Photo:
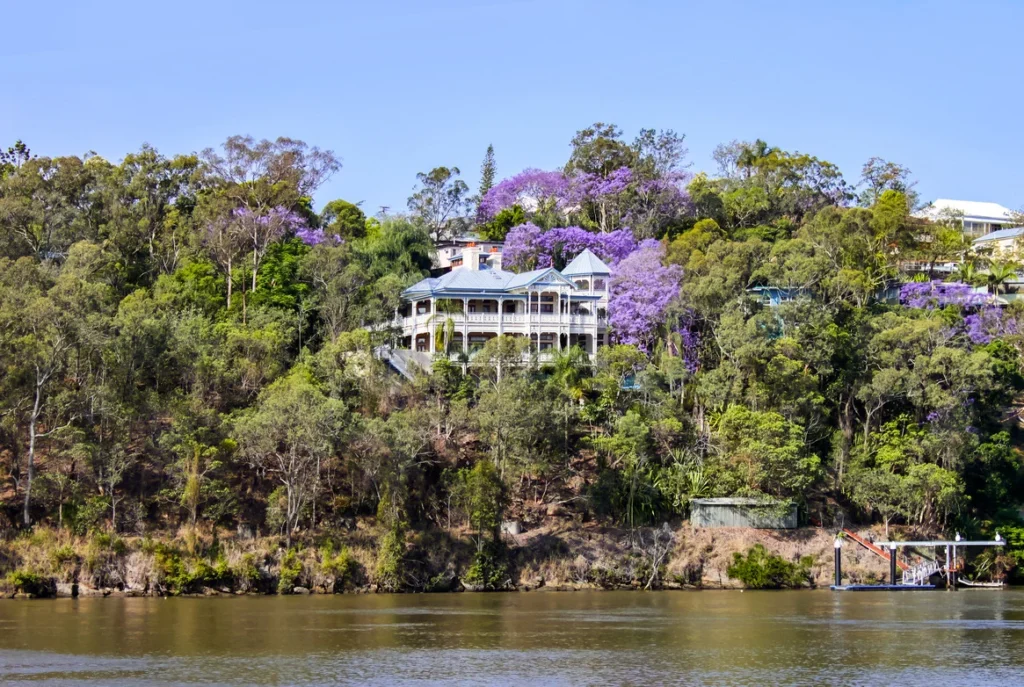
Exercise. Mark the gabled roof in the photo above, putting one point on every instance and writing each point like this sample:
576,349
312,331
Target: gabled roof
586,263
548,275
464,280
1010,233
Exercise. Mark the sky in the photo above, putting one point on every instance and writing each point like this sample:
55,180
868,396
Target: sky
399,87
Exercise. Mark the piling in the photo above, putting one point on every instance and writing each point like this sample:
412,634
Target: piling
837,545
892,564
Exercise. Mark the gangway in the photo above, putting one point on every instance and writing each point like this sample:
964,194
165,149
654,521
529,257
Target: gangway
873,548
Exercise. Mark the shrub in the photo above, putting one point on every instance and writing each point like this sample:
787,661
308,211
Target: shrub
390,568
291,569
760,569
247,573
340,566
488,569
28,582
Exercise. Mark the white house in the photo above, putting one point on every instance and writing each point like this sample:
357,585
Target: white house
979,218
450,251
1001,242
479,301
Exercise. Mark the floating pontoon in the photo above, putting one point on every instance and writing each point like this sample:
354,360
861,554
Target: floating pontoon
919,577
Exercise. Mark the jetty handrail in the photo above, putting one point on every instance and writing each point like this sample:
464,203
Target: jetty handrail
874,548
992,542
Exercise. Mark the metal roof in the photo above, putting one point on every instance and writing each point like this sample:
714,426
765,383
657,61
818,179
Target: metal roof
739,501
586,263
466,280
1010,233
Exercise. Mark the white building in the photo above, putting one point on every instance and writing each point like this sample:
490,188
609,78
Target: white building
450,251
478,300
979,218
1003,242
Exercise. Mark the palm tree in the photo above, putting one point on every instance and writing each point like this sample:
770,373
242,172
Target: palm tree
569,369
966,273
752,153
1000,274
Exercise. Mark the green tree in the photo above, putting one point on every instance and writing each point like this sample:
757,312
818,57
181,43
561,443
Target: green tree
438,201
344,219
288,435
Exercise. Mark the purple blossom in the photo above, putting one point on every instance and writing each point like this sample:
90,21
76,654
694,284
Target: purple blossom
641,290
690,340
314,237
530,247
534,184
939,294
989,323
585,186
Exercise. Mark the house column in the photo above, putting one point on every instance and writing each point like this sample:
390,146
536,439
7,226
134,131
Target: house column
430,325
465,326
529,314
568,317
501,316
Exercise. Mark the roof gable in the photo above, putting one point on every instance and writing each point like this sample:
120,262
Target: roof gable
547,276
586,263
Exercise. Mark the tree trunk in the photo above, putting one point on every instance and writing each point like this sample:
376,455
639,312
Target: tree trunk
31,471
255,267
229,283
846,427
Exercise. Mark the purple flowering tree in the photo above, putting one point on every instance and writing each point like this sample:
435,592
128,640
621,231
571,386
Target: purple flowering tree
600,197
530,247
657,201
263,228
939,294
529,185
640,292
314,237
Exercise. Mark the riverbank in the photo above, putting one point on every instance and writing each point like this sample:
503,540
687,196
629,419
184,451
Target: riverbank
556,555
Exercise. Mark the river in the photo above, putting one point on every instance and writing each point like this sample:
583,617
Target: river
538,638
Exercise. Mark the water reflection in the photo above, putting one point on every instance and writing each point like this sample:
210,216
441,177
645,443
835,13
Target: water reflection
509,639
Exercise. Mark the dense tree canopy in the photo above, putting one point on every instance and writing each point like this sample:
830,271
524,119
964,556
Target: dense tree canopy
186,340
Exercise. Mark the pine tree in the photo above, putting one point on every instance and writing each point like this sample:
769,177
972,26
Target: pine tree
487,171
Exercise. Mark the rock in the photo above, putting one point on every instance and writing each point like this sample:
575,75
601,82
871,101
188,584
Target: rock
92,591
512,527
555,510
300,590
67,590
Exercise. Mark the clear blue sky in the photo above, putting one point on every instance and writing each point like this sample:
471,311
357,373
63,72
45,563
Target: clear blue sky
396,87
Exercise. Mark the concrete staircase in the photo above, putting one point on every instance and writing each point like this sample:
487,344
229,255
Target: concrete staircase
405,363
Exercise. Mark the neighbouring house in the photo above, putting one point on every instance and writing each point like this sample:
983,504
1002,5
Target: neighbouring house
477,300
743,512
450,253
979,218
774,296
1000,242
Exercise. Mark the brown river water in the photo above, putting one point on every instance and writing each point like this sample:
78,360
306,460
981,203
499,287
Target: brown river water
537,638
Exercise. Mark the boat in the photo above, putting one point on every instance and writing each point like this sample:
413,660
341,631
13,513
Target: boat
971,584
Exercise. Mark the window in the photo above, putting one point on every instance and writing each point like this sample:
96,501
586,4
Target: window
599,285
